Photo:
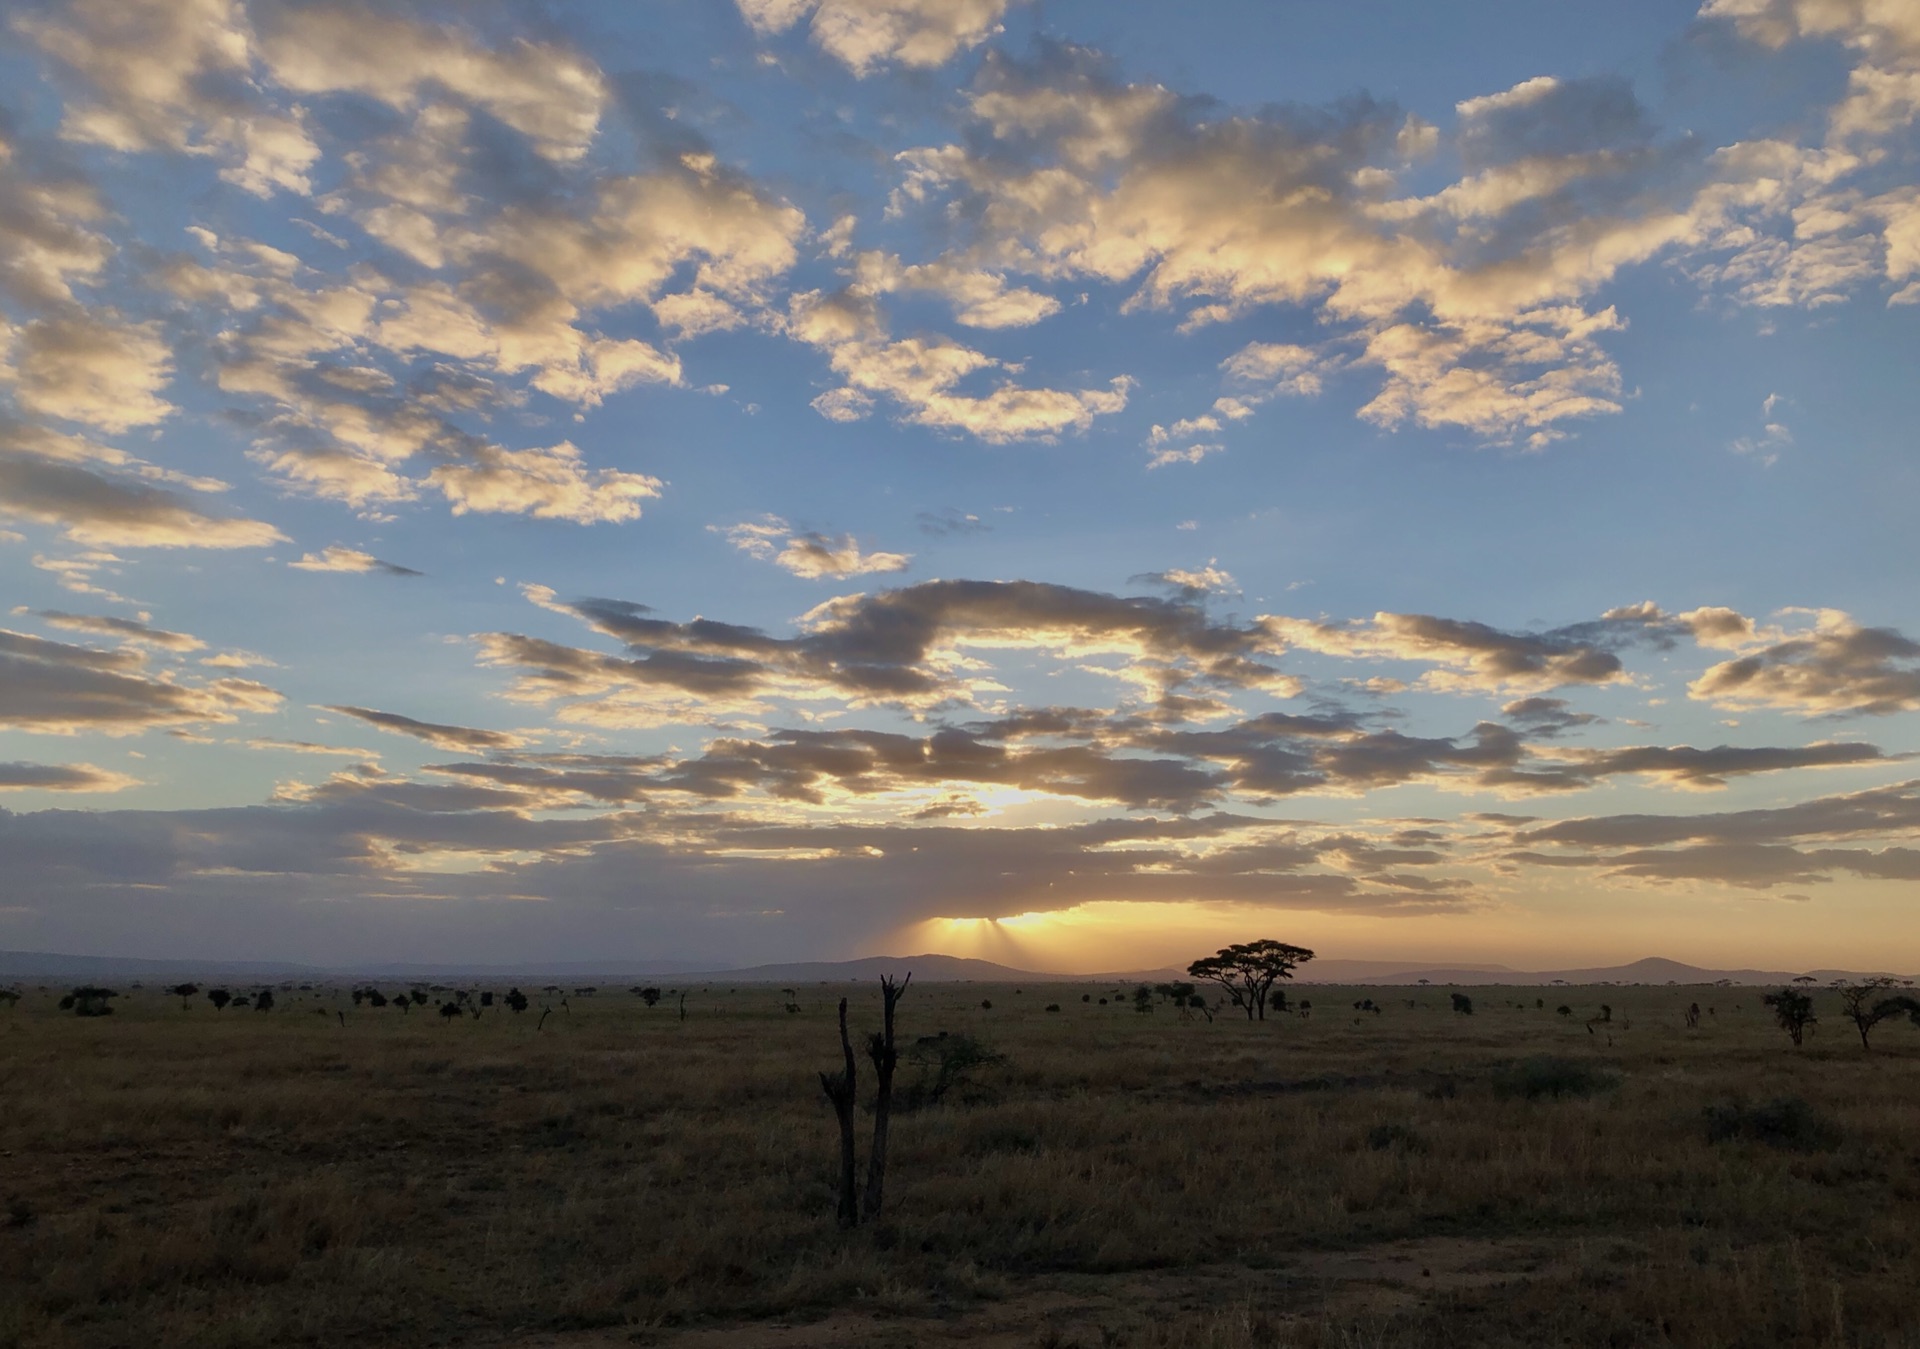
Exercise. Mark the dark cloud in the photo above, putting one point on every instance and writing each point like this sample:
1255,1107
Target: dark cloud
49,480
1838,668
1547,118
78,777
54,687
1546,716
878,647
439,736
1755,849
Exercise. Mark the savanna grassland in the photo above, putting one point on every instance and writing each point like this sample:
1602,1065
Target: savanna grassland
1412,1176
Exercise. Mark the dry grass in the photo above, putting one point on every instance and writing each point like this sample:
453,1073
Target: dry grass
173,1177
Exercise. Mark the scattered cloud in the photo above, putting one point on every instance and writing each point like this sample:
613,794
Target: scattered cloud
864,35
549,484
127,629
807,553
335,557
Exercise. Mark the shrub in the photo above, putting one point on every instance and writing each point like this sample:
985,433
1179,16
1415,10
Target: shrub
1787,1122
1463,1004
1547,1075
1053,1007
89,1001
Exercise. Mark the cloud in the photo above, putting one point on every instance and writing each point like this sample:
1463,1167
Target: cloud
1192,582
926,376
980,299
78,777
943,523
48,242
65,481
551,96
1748,849
1476,303
866,34
334,557
155,74
440,737
1679,765
1546,716
89,367
58,689
125,628
1835,668
549,484
907,646
1474,657
807,553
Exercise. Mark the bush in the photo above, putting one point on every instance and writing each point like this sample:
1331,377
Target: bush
1547,1075
1787,1122
89,1001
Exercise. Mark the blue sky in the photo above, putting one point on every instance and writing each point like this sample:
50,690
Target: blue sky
1071,481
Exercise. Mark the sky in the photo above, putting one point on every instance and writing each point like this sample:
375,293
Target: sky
1070,482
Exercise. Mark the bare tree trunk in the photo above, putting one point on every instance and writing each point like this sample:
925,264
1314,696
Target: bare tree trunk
840,1091
885,1059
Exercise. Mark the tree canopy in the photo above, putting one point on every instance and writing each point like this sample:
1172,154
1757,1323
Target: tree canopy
1249,970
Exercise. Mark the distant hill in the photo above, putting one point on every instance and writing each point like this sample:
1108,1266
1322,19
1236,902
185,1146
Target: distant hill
926,968
1653,970
929,969
51,965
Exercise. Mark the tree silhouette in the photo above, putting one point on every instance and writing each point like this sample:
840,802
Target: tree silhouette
1249,970
880,1049
1863,1006
263,1001
1793,1009
839,1088
219,997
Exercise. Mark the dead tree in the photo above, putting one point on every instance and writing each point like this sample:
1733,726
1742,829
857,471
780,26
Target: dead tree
840,1089
880,1049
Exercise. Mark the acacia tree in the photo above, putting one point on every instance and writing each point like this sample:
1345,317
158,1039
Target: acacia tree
1249,970
1793,1009
1863,1006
